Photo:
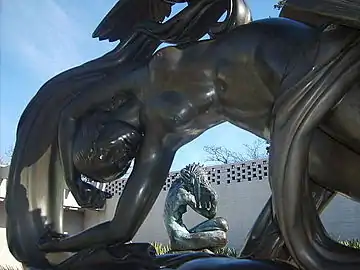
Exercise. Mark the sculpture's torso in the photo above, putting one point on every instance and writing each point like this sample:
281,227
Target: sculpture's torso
229,80
236,81
176,203
233,80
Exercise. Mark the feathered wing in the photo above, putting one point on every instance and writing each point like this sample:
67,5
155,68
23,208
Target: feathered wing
320,12
120,22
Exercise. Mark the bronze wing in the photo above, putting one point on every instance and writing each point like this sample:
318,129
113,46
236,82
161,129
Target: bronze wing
120,22
320,12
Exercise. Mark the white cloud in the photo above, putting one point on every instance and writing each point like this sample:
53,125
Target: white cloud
42,35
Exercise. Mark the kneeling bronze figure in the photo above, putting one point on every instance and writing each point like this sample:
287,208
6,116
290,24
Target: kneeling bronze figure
192,189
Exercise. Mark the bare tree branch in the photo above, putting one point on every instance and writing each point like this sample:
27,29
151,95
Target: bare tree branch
2,160
256,150
222,155
6,158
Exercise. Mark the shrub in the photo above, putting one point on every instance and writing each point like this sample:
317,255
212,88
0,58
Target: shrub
161,248
228,251
164,249
355,243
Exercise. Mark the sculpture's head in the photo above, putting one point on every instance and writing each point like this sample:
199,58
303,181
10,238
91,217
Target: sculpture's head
106,154
195,182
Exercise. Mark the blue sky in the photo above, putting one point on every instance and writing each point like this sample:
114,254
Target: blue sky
39,39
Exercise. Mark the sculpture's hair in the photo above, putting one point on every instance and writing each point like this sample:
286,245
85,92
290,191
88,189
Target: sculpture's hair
194,175
195,170
97,156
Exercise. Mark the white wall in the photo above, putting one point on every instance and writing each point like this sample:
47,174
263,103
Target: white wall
342,219
5,256
240,202
73,223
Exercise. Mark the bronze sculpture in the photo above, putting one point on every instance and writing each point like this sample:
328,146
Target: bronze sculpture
191,188
267,77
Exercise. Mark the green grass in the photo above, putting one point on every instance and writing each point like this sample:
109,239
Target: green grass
161,248
232,252
165,248
355,243
228,251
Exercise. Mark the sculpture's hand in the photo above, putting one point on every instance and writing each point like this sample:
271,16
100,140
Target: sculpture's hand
208,204
88,196
50,238
205,203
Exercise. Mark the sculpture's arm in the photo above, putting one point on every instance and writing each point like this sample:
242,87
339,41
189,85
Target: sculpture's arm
141,191
213,206
204,208
208,203
66,133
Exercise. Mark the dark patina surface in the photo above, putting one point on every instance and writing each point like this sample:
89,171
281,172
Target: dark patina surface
293,84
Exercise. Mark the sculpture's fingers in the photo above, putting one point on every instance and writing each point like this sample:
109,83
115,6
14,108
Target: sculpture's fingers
49,246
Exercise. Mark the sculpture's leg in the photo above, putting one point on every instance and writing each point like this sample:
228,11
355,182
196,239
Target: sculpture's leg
264,240
205,235
296,119
199,240
214,224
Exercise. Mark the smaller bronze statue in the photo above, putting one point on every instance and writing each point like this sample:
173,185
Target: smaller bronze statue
192,189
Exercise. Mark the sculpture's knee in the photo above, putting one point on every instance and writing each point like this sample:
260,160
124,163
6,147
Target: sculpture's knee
221,223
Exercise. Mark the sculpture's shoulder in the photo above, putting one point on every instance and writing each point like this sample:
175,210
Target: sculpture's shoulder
176,188
178,192
281,27
273,38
